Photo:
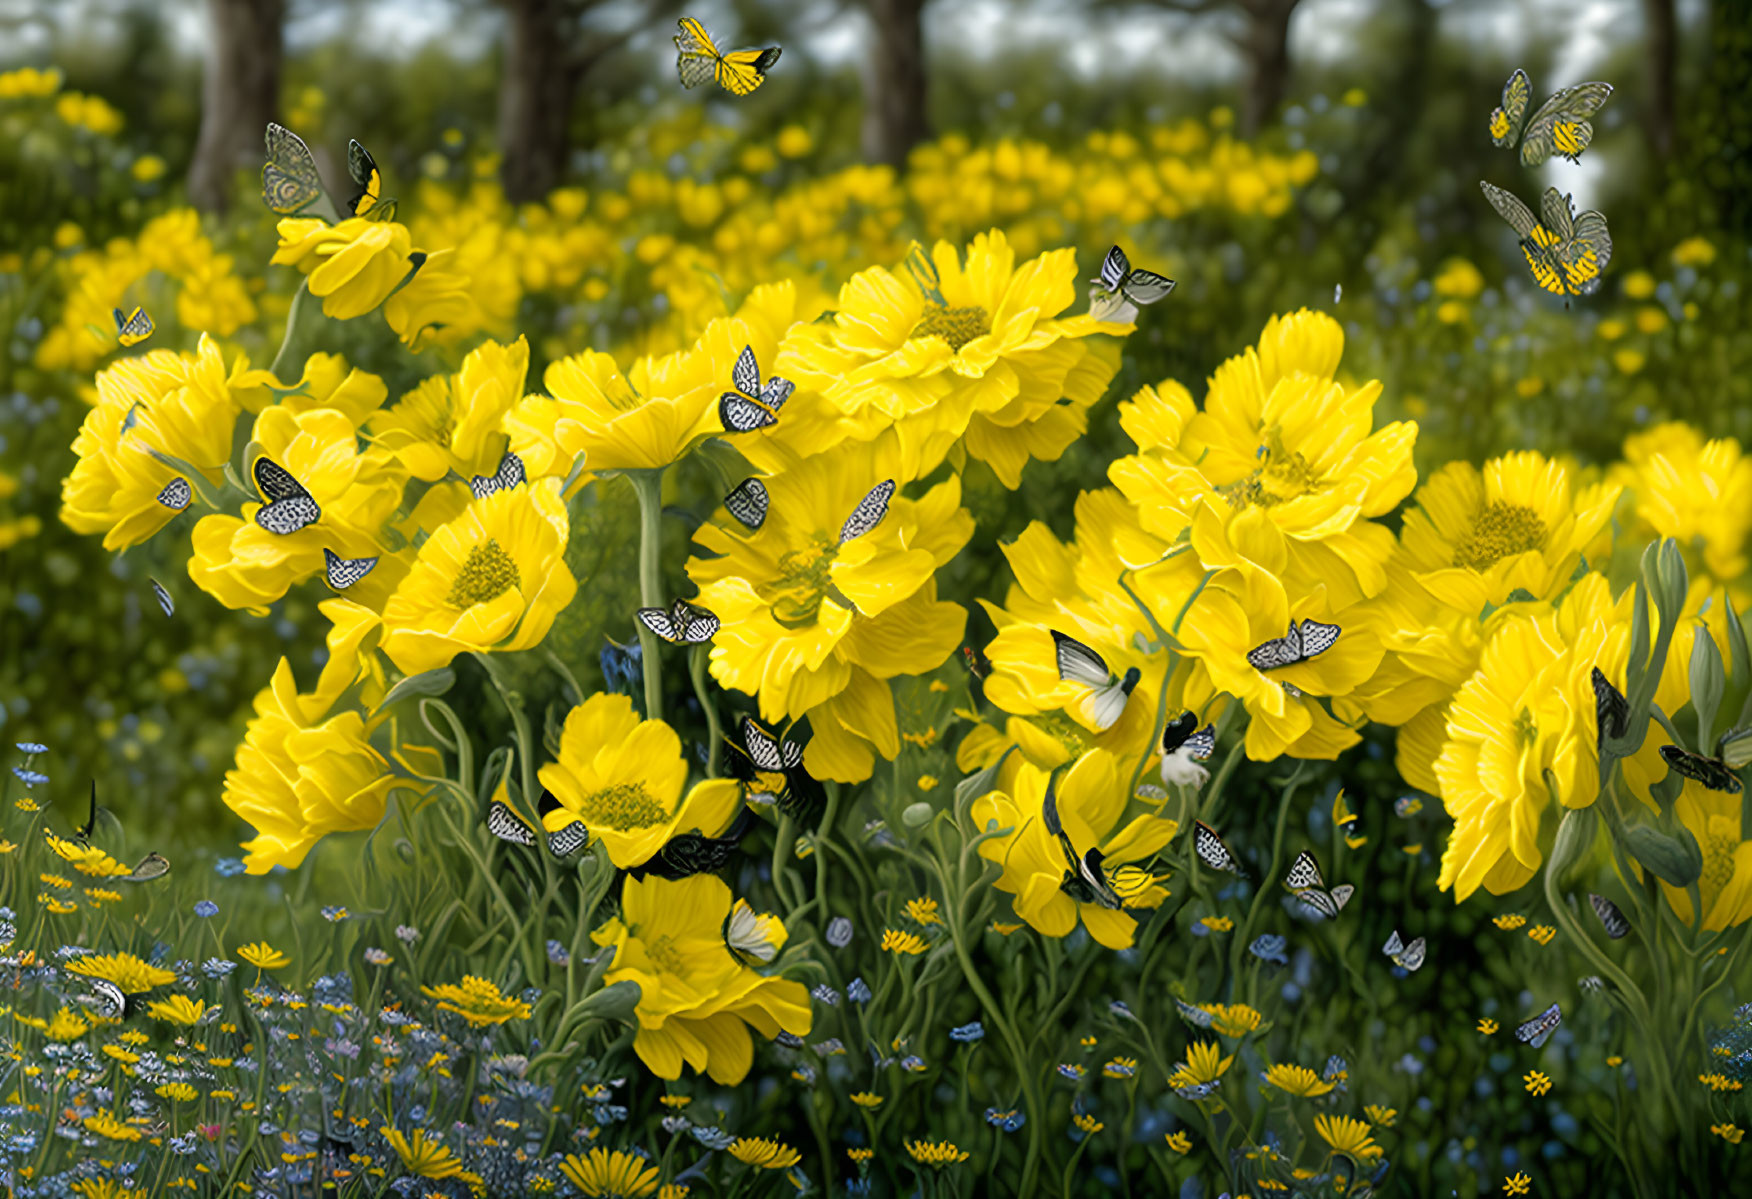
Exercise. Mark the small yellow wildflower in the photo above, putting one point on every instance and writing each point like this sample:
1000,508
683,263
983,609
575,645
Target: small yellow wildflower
1384,1116
1731,1133
895,941
263,956
1297,1080
1719,1082
1615,1061
1236,1020
764,1154
867,1099
1536,1083
1487,1026
1510,922
178,1092
1542,933
1121,1067
1180,1142
478,1001
1517,1184
935,1153
178,1009
860,1155
1217,924
106,1125
927,782
923,910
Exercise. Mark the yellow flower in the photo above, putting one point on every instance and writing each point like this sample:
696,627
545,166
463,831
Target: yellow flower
130,974
478,1001
178,1009
1217,924
442,298
1650,319
696,1001
1614,1061
1235,1020
1694,251
1629,361
1509,922
626,779
1180,1143
1091,802
1536,1083
866,1099
179,1092
106,1125
1347,1136
1542,933
673,1190
1639,285
1720,1082
64,1025
764,1154
1730,1132
815,627
1384,1116
1452,312
1204,1063
427,1158
1459,278
1297,1080
87,859
923,910
492,579
352,267
860,1154
1087,1124
1517,1184
602,1172
263,956
451,422
1698,492
898,942
936,1154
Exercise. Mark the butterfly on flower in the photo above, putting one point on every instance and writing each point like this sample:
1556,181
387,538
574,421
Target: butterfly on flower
1307,884
287,506
1120,289
1538,1030
869,513
341,573
772,767
693,852
752,405
1304,640
176,494
1565,252
367,198
697,59
1560,125
1610,917
510,474
108,1000
752,937
1192,1014
1713,773
163,597
1407,957
1084,881
133,328
1184,746
507,823
1077,663
290,181
1212,850
748,502
680,624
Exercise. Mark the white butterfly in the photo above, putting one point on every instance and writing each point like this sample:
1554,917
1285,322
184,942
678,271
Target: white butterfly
1407,957
510,474
748,502
1085,881
1308,885
1184,746
1211,849
163,596
1304,640
752,406
342,573
1117,292
1077,663
176,494
288,507
869,512
681,624
752,936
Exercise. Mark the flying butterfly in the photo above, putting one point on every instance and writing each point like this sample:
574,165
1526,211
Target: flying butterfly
1610,917
752,937
1077,663
367,200
1407,957
1560,126
341,573
1085,881
681,624
1538,1030
510,474
1711,772
163,597
176,494
748,502
869,513
1184,746
288,507
133,328
1307,884
1212,851
1611,709
1120,289
1304,640
290,182
752,405
697,59
693,852
763,754
1565,252
153,865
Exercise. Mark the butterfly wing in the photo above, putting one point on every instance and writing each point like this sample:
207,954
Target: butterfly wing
1304,872
739,415
1585,254
691,38
660,622
765,60
1202,744
1507,121
341,573
176,494
112,1002
738,73
134,328
1077,663
1711,773
1318,901
1341,895
776,392
289,507
290,181
565,841
1111,307
1538,1030
1195,1016
1176,732
1269,655
1114,268
151,866
1561,126
869,512
1107,704
700,626
504,823
1510,208
367,182
748,502
1211,850
1413,956
1394,945
1611,709
1146,287
1317,638
745,374
1610,917
83,833
510,472
762,747
163,597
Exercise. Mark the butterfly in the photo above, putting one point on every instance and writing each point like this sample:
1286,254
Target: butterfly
341,573
1212,851
82,834
693,852
1116,293
766,761
288,507
109,1000
748,502
1566,253
1184,746
152,866
133,328
1084,881
507,824
1611,709
752,406
751,936
176,494
1406,957
290,181
367,201
1195,1091
1711,772
504,823
1613,919
1305,639
163,597
1192,1014
1407,806
1308,885
697,59
869,513
681,624
1077,663
1538,1030
509,475
1559,126
1735,747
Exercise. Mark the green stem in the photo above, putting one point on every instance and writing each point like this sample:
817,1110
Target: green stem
696,669
301,300
648,485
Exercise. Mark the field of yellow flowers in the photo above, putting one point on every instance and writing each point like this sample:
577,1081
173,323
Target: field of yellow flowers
758,690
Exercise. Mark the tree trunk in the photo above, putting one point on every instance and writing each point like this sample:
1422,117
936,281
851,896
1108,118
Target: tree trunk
240,94
535,98
1267,49
1661,45
894,81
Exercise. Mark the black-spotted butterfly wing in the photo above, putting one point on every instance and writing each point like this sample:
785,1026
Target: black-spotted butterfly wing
1304,640
504,823
748,502
151,866
1611,709
341,573
1304,872
290,182
1711,772
1201,745
1538,1030
1212,851
134,327
1611,918
1507,121
869,513
1560,125
176,494
509,474
742,410
1178,731
288,507
163,597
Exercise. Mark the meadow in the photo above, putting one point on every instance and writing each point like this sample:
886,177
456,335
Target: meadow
761,674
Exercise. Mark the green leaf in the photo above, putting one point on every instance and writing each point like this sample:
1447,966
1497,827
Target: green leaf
427,683
1707,682
1740,658
1673,858
613,1003
1639,646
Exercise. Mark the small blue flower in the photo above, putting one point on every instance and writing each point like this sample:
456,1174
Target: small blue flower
826,994
557,954
206,908
839,932
711,1136
29,778
913,1063
32,747
1009,1121
858,991
1119,1008
1270,947
217,967
609,1113
229,867
968,1033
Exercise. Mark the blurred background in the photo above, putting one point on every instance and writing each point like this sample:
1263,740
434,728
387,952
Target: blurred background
1269,154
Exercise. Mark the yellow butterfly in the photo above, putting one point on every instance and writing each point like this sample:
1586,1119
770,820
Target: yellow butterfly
698,59
133,328
1565,252
367,200
1560,126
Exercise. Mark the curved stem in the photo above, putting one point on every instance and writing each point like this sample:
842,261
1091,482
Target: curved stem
696,669
648,485
301,301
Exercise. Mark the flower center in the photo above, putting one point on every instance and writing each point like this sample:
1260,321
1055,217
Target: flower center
1281,476
803,581
662,951
487,573
957,326
1718,859
1526,728
624,806
1497,532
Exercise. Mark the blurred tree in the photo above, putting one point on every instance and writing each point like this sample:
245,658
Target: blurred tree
1263,39
1661,47
240,94
550,46
894,81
